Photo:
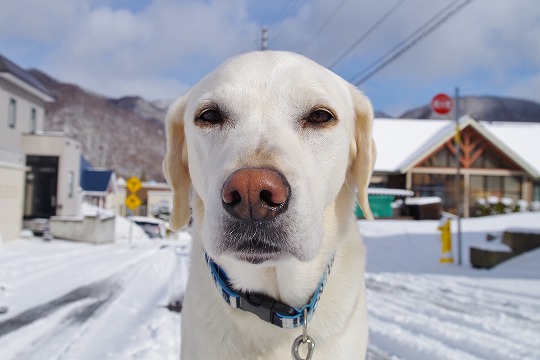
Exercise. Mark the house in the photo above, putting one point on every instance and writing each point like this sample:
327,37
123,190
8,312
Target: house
39,171
496,160
99,187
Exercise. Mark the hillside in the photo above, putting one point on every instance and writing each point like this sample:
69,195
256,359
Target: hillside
126,135
488,108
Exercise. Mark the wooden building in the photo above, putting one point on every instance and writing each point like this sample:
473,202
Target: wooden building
497,160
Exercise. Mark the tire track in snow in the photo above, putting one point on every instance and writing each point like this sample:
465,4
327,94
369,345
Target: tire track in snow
427,313
101,291
74,271
90,319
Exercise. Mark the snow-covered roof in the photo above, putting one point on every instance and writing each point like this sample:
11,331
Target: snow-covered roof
522,138
399,140
403,142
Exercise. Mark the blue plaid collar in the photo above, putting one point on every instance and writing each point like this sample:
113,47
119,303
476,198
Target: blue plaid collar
266,308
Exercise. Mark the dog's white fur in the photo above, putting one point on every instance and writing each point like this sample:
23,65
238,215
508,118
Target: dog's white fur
266,96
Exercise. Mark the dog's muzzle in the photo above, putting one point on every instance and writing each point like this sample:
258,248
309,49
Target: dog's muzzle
254,198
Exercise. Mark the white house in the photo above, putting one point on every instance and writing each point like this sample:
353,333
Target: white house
39,172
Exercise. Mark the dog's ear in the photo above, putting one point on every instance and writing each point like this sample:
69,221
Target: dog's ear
363,151
175,165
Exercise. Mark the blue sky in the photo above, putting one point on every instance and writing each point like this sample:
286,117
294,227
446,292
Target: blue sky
159,48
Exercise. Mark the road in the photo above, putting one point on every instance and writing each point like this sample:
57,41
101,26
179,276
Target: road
71,301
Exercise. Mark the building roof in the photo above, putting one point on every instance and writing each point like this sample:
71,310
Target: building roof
402,143
7,66
521,138
400,140
98,181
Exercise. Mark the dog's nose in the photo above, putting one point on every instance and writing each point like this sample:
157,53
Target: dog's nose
255,194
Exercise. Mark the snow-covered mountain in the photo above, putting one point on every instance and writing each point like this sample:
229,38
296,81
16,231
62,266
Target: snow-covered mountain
126,134
154,110
488,108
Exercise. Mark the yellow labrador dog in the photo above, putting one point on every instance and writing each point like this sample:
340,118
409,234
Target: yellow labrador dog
274,148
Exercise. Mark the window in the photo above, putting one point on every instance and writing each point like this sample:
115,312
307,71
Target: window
33,121
12,113
443,186
536,192
482,187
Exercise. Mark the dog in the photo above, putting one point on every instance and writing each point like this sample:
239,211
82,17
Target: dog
267,155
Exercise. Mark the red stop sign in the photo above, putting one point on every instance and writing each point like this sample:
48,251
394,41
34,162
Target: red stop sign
442,104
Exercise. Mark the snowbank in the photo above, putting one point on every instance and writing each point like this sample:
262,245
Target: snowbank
415,246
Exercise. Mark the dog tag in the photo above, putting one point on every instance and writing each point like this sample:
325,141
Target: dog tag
296,347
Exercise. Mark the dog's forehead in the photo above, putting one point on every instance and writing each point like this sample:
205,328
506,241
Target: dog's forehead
272,75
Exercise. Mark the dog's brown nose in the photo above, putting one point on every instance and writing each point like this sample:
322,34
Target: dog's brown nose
255,194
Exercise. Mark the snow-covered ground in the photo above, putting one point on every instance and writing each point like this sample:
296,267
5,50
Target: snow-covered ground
421,309
67,300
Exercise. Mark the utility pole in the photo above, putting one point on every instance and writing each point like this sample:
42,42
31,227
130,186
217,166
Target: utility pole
459,195
264,38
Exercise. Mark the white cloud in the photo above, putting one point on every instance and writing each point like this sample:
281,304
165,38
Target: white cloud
111,50
42,21
162,46
498,35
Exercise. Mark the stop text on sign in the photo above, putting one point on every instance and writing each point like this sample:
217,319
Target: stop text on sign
442,104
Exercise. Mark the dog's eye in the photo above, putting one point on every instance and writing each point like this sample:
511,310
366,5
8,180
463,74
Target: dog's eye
209,117
319,117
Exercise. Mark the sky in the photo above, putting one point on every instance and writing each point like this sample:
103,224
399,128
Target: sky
157,49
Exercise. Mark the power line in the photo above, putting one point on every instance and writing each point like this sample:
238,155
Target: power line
281,14
430,26
321,28
286,17
366,34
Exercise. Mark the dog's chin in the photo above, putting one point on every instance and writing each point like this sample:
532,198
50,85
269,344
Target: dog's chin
255,242
256,250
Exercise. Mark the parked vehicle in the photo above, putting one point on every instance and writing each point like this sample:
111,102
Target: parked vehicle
154,228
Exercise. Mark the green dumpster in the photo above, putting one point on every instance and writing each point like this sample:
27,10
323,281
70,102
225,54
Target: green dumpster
381,206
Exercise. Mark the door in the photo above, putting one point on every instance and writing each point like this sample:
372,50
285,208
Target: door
41,186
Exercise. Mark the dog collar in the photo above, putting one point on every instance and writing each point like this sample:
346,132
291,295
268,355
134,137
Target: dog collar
265,307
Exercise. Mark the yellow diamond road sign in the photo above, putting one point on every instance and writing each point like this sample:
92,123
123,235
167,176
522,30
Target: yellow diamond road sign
133,184
133,202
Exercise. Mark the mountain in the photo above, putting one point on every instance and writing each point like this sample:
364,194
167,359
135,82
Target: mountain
488,108
148,110
127,134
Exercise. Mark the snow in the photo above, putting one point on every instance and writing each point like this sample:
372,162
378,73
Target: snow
520,137
423,200
406,135
68,300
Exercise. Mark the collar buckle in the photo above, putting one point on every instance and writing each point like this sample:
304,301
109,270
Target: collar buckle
265,307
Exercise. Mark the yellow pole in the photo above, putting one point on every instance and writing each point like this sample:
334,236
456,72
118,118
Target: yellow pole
446,241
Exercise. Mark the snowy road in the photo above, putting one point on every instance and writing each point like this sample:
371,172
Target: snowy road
70,301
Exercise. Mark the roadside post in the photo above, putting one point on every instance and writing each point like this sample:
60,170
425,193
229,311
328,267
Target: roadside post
133,184
443,104
446,240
